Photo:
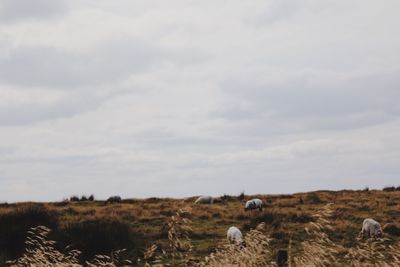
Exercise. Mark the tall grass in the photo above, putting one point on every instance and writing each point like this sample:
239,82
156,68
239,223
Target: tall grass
319,249
179,246
15,223
256,253
40,251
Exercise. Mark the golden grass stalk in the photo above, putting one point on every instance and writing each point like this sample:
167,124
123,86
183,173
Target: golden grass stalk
320,250
256,253
40,252
317,251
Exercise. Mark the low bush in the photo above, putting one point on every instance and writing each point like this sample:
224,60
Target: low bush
392,229
313,199
98,237
241,196
14,226
389,189
74,199
226,197
82,198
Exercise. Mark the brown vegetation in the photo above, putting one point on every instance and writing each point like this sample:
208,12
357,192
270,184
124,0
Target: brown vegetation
95,228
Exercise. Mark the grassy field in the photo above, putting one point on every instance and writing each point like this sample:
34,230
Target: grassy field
95,227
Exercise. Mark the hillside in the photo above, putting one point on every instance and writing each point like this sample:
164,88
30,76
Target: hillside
95,227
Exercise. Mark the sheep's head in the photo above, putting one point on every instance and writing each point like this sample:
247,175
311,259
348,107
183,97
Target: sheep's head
379,232
249,206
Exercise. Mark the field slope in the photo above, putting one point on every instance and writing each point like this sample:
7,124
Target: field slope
95,227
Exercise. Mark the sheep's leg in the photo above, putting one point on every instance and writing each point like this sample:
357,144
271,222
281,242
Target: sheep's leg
361,233
374,235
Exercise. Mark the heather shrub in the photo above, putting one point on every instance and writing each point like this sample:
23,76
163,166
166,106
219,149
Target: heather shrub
15,224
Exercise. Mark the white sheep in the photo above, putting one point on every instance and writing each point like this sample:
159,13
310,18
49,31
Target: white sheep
372,228
235,236
254,204
204,200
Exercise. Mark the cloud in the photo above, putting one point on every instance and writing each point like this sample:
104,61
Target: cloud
49,66
21,107
350,103
139,99
13,11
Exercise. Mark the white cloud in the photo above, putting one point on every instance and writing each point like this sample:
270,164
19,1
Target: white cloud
142,99
25,10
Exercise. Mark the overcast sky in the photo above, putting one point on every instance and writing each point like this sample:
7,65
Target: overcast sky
179,98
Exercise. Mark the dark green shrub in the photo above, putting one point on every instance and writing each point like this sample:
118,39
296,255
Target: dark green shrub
99,237
153,200
226,197
241,196
265,217
74,199
313,199
389,189
15,225
392,229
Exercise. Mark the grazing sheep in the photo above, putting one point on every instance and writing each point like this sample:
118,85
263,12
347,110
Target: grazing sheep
114,199
254,204
372,228
204,200
235,236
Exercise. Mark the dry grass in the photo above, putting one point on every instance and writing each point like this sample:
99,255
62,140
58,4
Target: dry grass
320,234
318,250
179,246
40,251
257,252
